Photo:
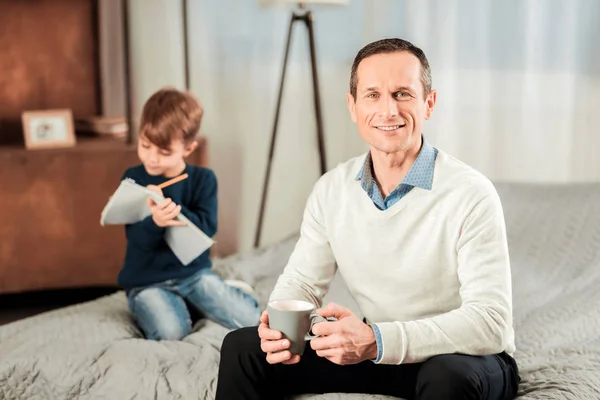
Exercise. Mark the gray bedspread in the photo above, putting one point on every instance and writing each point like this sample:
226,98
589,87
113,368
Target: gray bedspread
94,351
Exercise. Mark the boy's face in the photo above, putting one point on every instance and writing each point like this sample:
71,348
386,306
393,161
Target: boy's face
158,161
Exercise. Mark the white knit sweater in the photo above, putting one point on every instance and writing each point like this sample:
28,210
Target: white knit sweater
432,271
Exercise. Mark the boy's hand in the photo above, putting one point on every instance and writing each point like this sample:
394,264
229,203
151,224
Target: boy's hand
155,189
163,214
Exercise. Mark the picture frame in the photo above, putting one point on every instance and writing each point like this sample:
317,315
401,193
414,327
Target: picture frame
47,129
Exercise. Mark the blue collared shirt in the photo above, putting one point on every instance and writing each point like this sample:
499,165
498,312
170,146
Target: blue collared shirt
420,174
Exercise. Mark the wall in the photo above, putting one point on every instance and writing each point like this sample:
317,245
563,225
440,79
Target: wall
238,141
48,59
236,61
517,82
156,49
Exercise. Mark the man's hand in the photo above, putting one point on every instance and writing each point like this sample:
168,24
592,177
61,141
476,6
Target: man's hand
163,214
345,341
273,343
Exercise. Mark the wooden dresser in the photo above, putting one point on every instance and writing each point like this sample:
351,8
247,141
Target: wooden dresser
50,205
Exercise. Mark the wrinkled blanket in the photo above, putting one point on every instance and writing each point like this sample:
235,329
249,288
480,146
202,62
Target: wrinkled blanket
94,351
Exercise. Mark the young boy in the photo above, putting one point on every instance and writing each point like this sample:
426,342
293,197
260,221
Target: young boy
159,287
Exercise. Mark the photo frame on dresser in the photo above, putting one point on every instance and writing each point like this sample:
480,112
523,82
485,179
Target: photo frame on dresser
43,129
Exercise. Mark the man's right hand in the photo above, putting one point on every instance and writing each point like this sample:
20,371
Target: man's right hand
274,344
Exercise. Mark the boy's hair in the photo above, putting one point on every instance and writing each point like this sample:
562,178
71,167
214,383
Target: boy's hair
171,114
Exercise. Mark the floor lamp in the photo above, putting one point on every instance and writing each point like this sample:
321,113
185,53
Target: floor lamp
301,14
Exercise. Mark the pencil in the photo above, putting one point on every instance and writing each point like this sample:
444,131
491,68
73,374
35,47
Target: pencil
172,181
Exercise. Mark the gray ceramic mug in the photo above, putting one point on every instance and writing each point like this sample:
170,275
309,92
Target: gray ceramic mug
293,318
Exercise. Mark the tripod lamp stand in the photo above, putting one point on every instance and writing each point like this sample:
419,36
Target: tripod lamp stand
304,15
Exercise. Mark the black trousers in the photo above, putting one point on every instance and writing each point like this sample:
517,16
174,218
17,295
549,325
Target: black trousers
245,374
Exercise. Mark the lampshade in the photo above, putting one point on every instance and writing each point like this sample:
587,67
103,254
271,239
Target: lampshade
305,2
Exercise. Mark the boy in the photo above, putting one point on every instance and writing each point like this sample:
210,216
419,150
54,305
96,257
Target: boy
159,287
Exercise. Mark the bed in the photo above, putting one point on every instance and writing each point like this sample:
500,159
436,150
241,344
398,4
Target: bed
94,351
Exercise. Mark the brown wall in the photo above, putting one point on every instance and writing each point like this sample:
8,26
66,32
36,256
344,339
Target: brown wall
48,59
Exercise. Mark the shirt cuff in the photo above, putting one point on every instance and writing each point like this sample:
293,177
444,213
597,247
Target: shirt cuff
379,342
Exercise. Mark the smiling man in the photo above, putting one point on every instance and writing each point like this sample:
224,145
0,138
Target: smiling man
420,240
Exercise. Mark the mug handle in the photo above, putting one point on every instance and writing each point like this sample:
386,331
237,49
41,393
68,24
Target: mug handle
315,319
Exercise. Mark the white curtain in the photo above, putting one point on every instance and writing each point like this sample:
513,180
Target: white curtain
518,89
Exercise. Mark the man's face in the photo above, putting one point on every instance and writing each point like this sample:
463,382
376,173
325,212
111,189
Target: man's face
390,106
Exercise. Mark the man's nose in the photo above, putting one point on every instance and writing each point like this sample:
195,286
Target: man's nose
389,107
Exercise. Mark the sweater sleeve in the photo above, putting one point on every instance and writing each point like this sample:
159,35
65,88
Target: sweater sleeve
203,213
145,234
311,266
481,325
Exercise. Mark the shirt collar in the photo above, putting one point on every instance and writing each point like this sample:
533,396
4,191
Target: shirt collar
420,173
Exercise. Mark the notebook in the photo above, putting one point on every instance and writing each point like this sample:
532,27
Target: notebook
128,206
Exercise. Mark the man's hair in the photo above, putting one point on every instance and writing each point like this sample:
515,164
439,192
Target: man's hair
171,114
391,46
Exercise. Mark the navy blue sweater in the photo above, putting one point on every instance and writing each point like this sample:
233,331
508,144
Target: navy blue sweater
148,258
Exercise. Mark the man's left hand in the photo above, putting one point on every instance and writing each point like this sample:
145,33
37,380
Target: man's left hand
345,341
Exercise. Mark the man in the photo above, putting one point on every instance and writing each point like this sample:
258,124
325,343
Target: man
420,240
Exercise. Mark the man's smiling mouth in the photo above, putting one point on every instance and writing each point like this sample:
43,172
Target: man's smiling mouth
389,128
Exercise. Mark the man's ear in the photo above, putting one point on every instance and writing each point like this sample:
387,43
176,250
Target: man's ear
430,103
351,106
189,149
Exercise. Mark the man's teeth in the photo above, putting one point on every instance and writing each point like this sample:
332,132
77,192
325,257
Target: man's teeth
389,128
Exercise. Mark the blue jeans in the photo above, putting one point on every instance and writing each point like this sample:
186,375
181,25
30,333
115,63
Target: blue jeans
161,312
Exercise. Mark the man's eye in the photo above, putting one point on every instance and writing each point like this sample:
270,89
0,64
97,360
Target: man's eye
372,95
402,94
